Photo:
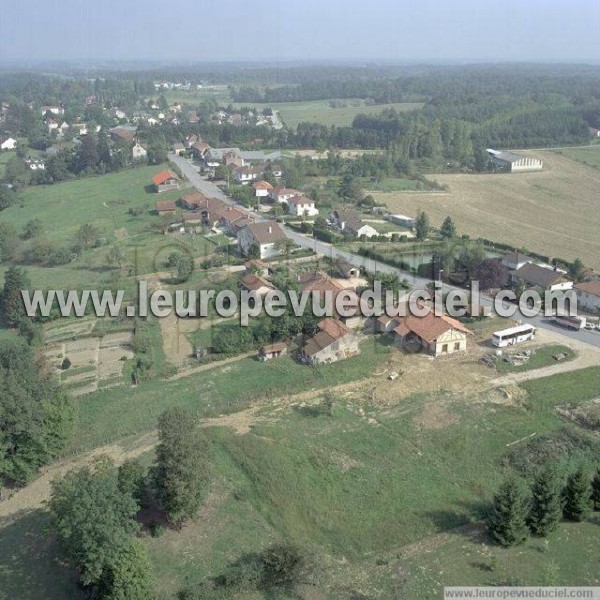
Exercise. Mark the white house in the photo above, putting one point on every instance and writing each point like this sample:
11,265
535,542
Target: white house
264,235
245,175
152,121
262,188
348,220
138,152
55,110
283,194
534,276
588,296
301,206
7,143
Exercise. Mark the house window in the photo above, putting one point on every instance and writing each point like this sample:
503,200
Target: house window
445,349
457,347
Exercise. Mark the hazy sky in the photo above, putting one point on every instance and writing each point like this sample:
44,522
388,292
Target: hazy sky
213,30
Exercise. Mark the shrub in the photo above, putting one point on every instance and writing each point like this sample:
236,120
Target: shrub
66,363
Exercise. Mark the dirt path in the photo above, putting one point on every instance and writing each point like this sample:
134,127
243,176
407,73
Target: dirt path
210,365
38,491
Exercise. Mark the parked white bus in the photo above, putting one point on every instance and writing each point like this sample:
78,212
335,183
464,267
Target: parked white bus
514,335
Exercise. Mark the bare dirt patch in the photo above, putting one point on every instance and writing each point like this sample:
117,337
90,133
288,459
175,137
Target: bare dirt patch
553,212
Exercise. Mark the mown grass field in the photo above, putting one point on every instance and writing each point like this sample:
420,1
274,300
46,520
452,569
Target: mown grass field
553,212
321,111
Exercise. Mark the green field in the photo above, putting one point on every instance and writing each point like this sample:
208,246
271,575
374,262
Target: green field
321,111
109,416
105,202
589,156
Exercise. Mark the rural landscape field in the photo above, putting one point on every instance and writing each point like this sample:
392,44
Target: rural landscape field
290,312
522,209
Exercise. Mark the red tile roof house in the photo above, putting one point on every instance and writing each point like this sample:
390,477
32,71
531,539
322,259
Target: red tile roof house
193,200
165,207
255,283
265,235
333,342
165,181
438,335
319,285
229,217
588,296
262,188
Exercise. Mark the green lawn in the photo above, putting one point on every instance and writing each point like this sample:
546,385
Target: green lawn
5,156
543,357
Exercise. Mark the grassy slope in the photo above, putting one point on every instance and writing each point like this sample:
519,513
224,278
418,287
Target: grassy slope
105,202
106,416
364,490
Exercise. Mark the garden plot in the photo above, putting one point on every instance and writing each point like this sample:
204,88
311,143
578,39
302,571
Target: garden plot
94,361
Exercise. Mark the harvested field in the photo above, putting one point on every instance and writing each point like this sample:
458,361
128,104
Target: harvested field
553,212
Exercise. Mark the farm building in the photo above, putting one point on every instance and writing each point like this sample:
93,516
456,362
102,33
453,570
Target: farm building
513,162
402,220
588,296
165,207
534,276
333,342
272,351
165,181
438,335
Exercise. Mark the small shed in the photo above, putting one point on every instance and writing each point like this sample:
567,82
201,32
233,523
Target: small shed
272,351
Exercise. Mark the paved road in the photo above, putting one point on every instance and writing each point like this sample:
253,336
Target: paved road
591,338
